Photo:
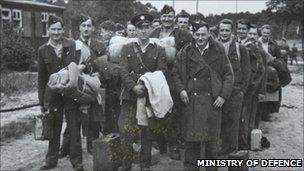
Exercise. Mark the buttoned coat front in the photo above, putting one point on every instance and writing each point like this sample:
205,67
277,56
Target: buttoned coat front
132,68
201,121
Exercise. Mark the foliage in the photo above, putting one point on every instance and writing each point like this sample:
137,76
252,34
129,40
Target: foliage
17,52
18,82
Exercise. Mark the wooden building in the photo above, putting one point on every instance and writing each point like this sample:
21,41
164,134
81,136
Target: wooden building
29,17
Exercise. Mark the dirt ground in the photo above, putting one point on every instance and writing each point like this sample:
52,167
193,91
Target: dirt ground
285,133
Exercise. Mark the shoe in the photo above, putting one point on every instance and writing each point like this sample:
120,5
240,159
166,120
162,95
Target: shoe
47,167
174,153
144,168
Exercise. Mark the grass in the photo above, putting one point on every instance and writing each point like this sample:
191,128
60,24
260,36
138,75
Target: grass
16,129
18,82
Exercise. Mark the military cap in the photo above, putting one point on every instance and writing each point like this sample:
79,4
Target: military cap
167,9
119,27
141,19
197,25
184,14
54,19
108,25
83,18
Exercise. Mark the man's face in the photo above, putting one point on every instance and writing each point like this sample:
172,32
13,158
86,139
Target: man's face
105,34
56,31
155,25
265,33
86,29
143,32
253,34
201,36
131,31
225,31
183,23
167,20
242,30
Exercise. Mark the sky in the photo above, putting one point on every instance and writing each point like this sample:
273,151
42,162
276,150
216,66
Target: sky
207,7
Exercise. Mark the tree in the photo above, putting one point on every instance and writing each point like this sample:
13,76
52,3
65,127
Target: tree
285,11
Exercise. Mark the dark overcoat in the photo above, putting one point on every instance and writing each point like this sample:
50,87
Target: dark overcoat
201,121
49,63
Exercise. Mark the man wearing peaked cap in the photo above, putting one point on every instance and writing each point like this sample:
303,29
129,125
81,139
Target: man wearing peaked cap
181,38
137,58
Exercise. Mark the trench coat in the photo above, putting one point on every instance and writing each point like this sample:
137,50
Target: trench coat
200,120
49,63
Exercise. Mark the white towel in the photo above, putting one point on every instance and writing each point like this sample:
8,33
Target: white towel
159,97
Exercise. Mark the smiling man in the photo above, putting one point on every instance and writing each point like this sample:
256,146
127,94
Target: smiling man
239,59
53,56
181,38
182,20
204,79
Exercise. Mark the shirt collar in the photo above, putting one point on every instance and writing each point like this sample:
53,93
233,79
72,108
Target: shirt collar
203,51
49,43
89,41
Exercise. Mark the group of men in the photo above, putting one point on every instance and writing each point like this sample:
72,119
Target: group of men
218,82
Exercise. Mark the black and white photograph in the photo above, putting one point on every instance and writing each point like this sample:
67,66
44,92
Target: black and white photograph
151,85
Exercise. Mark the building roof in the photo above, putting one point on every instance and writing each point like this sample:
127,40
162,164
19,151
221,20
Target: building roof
32,3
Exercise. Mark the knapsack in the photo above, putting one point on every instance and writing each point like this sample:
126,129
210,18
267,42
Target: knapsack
283,71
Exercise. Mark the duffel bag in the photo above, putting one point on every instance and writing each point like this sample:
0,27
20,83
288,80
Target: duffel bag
273,83
283,71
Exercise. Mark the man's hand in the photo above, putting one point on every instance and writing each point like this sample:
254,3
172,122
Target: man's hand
184,96
139,89
43,109
261,96
219,102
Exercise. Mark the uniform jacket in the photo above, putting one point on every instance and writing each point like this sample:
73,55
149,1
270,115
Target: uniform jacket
49,63
201,121
131,67
241,67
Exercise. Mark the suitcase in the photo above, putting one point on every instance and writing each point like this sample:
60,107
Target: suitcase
104,155
44,124
239,155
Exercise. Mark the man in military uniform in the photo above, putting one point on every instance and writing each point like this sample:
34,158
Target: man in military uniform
138,58
107,31
53,56
182,20
130,31
255,88
181,37
87,50
239,59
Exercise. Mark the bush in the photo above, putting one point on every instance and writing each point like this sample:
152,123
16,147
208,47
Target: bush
18,82
17,52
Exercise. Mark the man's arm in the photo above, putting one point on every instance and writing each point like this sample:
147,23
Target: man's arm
227,75
42,77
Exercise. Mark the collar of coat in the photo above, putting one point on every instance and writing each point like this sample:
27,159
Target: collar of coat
66,42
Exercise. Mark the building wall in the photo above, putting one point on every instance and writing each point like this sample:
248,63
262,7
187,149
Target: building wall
32,26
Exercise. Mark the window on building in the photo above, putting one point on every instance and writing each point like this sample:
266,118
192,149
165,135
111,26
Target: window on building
17,18
44,20
6,16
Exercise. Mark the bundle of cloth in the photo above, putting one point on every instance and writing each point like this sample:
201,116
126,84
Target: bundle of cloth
72,83
117,42
159,101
